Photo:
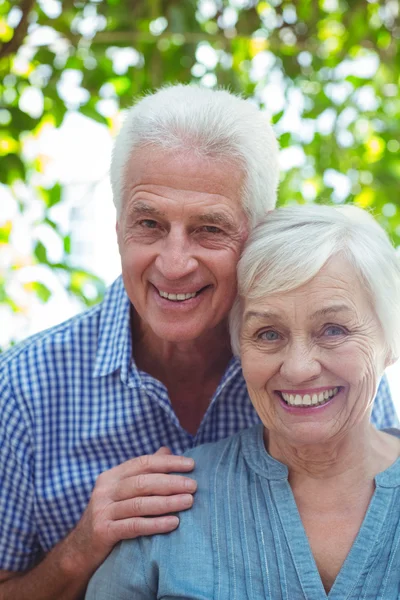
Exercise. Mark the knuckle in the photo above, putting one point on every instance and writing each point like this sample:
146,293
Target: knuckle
134,528
100,480
102,483
144,461
137,505
141,482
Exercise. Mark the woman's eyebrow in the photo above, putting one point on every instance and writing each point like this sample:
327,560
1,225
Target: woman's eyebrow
331,310
260,315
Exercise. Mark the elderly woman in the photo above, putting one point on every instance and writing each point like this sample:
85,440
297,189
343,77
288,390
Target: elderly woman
306,505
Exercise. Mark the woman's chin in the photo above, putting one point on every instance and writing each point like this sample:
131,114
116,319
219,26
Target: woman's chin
309,434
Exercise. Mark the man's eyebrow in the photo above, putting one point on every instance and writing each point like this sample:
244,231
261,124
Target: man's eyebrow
142,208
215,218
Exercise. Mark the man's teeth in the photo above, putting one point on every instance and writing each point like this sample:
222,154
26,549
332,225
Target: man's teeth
310,399
176,297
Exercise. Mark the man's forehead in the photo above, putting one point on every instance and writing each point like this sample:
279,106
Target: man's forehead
154,164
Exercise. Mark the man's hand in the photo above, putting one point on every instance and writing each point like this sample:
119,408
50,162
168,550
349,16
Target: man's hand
126,502
134,499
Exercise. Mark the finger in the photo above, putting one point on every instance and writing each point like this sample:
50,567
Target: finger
149,506
150,484
163,451
132,528
154,463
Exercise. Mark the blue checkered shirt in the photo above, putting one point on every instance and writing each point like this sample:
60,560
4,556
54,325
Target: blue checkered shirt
74,404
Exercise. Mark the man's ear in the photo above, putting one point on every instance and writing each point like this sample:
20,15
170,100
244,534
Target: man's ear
117,230
390,359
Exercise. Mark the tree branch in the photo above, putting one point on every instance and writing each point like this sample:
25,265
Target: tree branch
13,45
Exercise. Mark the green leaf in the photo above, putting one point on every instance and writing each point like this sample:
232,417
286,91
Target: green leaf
55,195
89,111
5,231
67,244
42,291
277,117
284,139
41,253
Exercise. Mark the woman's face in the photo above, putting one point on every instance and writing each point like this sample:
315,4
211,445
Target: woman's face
312,357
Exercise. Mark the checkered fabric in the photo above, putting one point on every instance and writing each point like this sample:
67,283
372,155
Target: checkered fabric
74,404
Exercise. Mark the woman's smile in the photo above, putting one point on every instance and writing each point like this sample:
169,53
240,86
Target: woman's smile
311,398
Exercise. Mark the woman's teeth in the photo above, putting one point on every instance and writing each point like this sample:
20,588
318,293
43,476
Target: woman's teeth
177,297
309,399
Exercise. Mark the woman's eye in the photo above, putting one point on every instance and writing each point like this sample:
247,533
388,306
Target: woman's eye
269,336
334,330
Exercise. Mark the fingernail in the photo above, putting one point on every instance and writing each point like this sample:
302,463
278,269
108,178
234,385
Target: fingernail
190,484
188,462
187,500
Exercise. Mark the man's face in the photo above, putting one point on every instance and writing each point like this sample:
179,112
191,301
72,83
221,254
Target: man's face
180,234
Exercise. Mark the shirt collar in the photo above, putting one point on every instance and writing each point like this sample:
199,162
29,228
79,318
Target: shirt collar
114,347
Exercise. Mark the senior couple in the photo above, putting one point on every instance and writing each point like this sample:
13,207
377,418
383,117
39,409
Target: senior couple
298,491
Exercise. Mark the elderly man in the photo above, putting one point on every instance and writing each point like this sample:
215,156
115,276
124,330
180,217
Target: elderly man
89,407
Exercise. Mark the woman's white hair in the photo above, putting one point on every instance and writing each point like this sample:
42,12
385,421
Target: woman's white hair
292,245
209,123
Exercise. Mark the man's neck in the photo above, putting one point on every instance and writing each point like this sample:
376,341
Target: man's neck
190,370
194,360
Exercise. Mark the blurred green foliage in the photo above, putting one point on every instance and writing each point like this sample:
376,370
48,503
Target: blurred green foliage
327,72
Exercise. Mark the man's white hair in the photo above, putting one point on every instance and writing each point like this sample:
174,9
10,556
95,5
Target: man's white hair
209,123
293,244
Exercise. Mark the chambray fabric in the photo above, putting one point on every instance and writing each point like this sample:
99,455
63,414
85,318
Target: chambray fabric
244,539
74,404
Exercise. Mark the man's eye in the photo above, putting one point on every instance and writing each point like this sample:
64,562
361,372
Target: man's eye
334,330
270,335
148,223
211,229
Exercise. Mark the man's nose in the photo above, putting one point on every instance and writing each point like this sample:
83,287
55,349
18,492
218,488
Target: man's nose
175,259
300,363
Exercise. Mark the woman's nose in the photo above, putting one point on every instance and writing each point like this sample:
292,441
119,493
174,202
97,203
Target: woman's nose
300,363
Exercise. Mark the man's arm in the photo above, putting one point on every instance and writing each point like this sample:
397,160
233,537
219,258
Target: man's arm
122,501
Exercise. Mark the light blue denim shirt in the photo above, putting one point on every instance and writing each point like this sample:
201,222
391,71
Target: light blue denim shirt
244,540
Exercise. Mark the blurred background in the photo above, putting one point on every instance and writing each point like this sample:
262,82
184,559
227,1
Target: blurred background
325,71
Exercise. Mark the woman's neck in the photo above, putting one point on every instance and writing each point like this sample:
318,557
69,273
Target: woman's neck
361,453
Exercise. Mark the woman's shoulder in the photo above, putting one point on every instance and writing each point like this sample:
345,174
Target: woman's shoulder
217,455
